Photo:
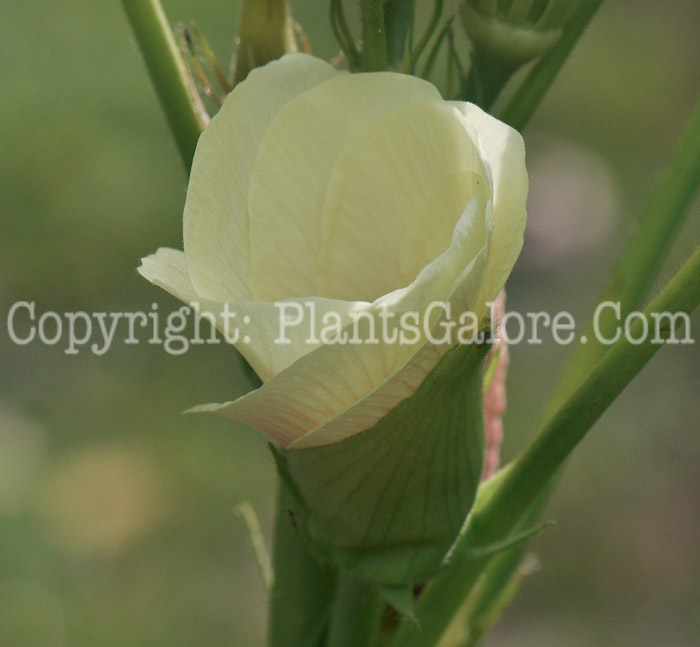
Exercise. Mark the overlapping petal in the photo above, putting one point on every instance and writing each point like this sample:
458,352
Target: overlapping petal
339,390
294,162
504,149
216,220
343,195
253,327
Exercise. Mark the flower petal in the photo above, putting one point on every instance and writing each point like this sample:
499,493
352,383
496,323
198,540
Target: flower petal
252,327
394,197
216,219
167,269
339,390
503,148
295,160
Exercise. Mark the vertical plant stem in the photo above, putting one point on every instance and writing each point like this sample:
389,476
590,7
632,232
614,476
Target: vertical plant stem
534,86
343,35
412,60
374,49
501,580
303,590
168,73
530,474
630,282
642,258
356,614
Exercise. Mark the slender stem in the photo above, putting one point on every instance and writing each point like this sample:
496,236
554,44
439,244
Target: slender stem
531,473
374,51
492,77
398,20
411,62
356,615
642,258
257,541
168,73
535,85
501,580
434,50
343,35
630,282
301,598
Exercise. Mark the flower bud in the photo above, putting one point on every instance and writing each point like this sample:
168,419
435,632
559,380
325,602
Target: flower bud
387,504
266,33
506,35
495,396
326,203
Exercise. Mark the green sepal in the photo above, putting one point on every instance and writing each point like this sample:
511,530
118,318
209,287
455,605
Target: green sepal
388,503
474,554
401,598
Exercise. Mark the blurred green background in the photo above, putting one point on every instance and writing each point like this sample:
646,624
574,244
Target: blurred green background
116,511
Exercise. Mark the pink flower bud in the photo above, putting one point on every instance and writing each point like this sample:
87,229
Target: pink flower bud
495,398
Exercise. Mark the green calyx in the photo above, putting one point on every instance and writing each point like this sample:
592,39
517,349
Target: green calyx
388,503
510,45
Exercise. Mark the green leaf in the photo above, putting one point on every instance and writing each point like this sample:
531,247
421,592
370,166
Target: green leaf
388,503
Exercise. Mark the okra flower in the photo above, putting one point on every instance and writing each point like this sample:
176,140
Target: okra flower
342,199
354,193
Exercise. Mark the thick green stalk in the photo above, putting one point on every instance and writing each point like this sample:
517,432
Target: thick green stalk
531,473
168,73
644,254
357,611
301,597
265,33
501,580
398,20
536,83
631,280
374,49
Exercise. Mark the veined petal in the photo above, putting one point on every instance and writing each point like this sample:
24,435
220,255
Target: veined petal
167,269
365,381
295,160
216,221
394,197
503,148
270,346
461,294
252,327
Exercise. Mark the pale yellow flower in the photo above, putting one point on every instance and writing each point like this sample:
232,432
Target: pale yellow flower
354,193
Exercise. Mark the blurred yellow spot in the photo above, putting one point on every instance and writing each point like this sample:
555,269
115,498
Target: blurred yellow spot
100,501
22,453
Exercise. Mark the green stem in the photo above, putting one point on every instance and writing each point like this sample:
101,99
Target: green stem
531,473
303,590
356,615
644,254
168,73
374,50
637,269
534,86
411,61
343,35
500,581
434,50
489,77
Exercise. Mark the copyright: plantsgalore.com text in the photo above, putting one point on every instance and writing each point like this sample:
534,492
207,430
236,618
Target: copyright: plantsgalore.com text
299,322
